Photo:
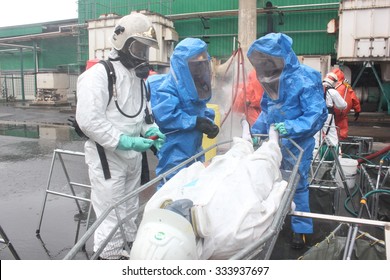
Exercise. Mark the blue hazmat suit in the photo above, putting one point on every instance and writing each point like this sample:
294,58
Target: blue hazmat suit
298,102
176,106
153,82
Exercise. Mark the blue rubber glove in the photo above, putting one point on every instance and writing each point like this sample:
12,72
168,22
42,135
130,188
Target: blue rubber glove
154,132
138,144
281,128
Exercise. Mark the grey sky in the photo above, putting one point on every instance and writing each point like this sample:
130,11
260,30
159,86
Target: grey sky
19,12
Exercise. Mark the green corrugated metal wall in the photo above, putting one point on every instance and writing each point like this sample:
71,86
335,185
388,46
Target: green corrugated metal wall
11,60
305,23
183,6
20,30
308,31
54,52
307,27
303,20
51,52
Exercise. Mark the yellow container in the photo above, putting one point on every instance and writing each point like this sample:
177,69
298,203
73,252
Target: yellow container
206,142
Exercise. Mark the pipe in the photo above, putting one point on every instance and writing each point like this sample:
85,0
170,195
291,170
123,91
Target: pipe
374,155
258,11
43,35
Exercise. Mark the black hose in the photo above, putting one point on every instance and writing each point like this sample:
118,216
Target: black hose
140,108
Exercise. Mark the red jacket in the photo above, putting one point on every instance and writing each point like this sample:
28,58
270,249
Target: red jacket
250,98
346,91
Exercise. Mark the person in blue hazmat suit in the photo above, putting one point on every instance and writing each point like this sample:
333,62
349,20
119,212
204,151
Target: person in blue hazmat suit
179,105
116,126
153,82
294,103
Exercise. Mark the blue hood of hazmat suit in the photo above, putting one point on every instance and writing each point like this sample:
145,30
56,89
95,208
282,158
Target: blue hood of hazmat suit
300,106
176,105
301,98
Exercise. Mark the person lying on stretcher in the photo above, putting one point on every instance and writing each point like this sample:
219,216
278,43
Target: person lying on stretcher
215,211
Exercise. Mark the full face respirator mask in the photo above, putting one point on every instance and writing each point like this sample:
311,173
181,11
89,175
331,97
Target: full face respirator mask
135,55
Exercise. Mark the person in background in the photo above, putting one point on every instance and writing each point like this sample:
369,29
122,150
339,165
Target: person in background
248,101
333,101
179,105
117,127
353,102
294,103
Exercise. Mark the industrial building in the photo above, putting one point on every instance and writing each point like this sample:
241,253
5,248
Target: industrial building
40,63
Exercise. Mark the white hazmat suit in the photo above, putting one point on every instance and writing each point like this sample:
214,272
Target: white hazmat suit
333,100
104,124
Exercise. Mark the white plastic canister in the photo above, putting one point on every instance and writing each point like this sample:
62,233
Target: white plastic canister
349,167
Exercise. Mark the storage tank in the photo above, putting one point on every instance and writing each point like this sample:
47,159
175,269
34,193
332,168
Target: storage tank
364,30
100,30
364,33
321,63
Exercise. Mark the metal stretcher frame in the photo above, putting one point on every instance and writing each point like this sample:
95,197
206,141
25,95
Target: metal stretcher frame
354,222
264,245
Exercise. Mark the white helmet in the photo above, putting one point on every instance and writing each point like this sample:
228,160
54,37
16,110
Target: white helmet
137,26
330,80
164,235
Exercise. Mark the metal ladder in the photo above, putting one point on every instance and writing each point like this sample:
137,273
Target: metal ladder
4,240
58,154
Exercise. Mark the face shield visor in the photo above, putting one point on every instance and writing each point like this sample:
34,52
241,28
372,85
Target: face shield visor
148,38
135,55
139,50
268,69
201,74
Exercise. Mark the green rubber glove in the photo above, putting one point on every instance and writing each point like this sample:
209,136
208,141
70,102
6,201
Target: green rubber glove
154,132
255,140
138,144
158,143
281,128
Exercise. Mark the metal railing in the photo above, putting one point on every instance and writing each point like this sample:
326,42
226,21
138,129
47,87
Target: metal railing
58,155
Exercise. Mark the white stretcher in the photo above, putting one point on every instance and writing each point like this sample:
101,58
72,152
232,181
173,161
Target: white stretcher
261,248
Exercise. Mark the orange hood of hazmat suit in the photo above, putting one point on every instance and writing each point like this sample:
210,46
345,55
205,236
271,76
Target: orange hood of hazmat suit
250,98
353,102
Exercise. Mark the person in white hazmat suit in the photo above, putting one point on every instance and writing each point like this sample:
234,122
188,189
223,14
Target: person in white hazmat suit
117,126
213,212
333,100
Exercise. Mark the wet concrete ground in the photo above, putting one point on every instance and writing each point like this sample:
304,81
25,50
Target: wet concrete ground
24,167
28,138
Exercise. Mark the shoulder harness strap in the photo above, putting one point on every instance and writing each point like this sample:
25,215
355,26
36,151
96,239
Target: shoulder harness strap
111,77
111,83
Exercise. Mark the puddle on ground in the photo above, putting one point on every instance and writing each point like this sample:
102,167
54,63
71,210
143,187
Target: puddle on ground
62,133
